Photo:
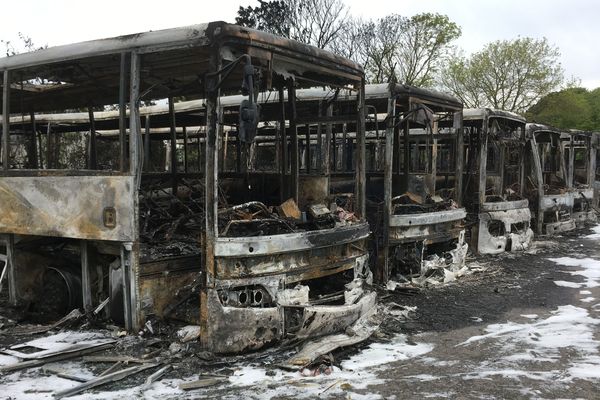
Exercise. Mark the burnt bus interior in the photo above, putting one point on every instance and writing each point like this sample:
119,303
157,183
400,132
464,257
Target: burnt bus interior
494,188
422,218
206,214
548,188
503,140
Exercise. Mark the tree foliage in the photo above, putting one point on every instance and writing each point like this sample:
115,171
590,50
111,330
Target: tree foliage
268,16
401,49
314,22
575,108
507,74
423,46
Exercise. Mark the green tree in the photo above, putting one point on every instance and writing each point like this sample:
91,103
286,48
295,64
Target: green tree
573,107
568,108
397,48
424,46
511,75
268,16
594,100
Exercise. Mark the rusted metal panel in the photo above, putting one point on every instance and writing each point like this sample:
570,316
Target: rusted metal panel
428,218
86,207
262,245
504,205
158,293
295,265
211,196
429,228
235,327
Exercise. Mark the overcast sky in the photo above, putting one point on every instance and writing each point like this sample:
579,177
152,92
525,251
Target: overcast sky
573,25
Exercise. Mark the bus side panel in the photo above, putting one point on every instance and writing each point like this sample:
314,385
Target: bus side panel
79,207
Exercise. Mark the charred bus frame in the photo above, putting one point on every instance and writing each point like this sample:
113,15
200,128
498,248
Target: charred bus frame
93,216
580,158
422,179
551,199
494,181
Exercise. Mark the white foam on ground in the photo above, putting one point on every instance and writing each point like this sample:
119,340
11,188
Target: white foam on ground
586,369
590,269
568,284
35,384
251,381
357,373
512,374
436,362
587,299
530,316
423,377
7,360
261,385
382,353
596,234
525,344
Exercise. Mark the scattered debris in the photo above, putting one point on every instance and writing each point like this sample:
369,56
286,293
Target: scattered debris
101,306
204,381
68,320
112,368
102,380
114,359
189,333
400,311
62,374
155,376
293,297
360,331
55,351
289,209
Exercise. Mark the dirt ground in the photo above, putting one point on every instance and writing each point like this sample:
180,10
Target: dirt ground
528,326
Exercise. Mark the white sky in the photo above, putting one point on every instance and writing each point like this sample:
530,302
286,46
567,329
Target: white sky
573,25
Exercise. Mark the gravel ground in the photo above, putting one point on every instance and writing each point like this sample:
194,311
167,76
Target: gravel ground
526,327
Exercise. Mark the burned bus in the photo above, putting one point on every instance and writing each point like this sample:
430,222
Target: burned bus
160,226
494,187
580,160
549,188
422,219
